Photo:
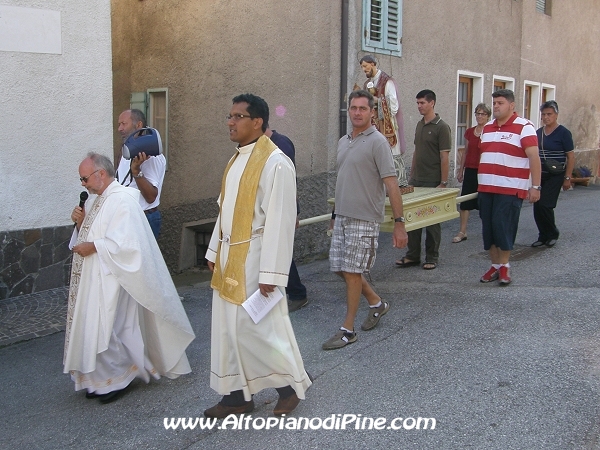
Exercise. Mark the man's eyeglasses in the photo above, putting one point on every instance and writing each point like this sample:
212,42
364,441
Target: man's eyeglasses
236,117
85,179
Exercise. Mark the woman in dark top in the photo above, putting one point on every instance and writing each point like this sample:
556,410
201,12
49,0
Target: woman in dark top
555,142
466,173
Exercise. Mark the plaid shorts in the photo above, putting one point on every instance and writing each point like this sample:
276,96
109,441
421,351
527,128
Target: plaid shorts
353,245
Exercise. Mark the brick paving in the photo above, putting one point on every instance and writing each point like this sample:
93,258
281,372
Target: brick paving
43,313
33,315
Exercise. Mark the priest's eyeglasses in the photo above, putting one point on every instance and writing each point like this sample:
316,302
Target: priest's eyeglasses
236,117
85,179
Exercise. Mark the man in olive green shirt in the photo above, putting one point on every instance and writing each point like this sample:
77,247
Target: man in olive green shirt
429,169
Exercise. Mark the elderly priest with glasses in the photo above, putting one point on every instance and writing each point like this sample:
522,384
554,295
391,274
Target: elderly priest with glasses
125,319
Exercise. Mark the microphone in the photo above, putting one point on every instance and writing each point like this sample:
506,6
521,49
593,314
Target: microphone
82,198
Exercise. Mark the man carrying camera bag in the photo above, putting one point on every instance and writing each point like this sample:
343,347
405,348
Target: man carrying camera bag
143,172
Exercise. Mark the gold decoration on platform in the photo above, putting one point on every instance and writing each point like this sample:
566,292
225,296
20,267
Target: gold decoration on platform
422,207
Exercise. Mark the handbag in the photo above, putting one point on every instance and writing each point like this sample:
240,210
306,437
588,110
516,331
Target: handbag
552,166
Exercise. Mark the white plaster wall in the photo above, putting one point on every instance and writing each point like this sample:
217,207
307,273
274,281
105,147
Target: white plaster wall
54,108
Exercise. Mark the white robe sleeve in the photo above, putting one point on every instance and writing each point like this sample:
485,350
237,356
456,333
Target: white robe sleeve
279,206
213,245
74,237
391,96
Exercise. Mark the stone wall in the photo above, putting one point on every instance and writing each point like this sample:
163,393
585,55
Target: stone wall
34,260
311,240
584,124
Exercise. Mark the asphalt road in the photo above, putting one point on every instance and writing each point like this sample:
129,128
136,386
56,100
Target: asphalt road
514,367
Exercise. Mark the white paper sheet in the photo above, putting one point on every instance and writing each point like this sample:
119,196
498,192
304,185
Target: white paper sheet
258,306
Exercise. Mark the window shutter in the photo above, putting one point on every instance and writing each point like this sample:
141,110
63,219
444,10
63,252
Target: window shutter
540,5
138,100
382,26
375,30
393,25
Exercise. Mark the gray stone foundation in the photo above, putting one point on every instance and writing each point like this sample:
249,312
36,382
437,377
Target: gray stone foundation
34,260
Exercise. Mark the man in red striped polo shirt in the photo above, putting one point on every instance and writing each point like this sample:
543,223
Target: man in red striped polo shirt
509,155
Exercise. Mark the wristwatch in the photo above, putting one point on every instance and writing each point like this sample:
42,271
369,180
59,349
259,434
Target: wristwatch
139,175
539,188
567,178
400,219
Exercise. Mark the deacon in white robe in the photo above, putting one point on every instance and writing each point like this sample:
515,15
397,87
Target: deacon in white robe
248,357
125,318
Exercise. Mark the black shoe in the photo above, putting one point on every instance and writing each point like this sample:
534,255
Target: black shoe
111,396
91,395
551,243
537,244
295,305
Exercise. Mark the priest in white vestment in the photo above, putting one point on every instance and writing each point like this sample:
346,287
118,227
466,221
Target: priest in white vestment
251,249
125,319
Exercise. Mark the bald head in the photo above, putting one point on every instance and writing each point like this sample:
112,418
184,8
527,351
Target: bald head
96,172
129,121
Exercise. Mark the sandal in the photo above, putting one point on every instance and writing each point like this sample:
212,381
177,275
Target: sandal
403,262
429,266
459,237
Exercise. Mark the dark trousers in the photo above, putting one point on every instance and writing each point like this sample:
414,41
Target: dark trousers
543,209
433,236
155,220
295,289
236,398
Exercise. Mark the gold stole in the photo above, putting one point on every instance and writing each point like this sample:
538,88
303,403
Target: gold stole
77,266
231,284
386,127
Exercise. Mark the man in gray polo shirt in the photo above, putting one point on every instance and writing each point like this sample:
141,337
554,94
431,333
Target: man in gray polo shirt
429,169
365,171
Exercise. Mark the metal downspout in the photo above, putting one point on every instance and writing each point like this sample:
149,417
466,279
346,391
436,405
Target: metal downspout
344,69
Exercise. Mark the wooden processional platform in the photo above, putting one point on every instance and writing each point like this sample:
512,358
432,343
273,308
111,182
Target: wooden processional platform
423,207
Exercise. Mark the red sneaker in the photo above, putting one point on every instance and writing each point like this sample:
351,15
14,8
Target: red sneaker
504,277
490,275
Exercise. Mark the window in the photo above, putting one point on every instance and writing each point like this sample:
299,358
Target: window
382,26
158,107
544,6
137,100
527,103
548,92
531,101
465,107
503,83
154,103
469,93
